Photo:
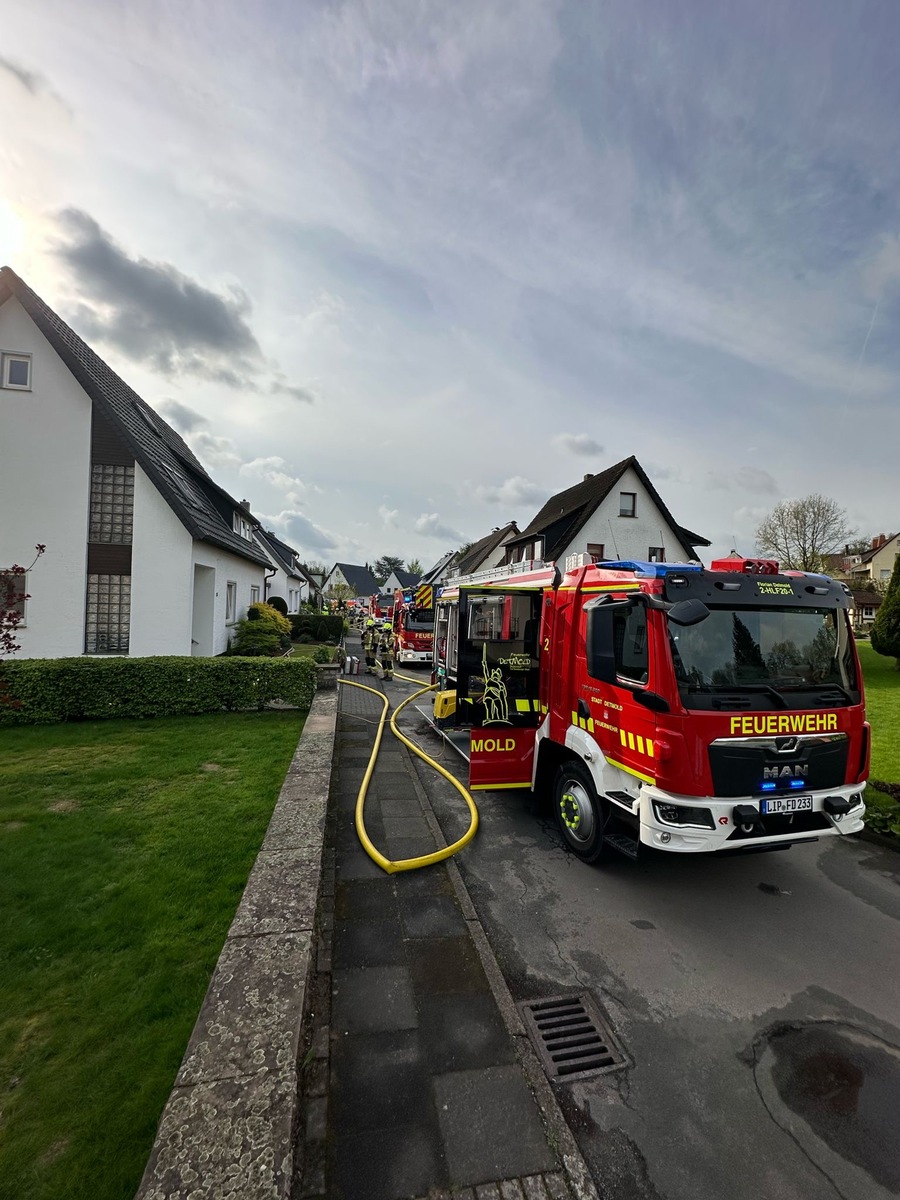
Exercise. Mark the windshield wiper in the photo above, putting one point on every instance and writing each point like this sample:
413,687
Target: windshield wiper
731,689
820,687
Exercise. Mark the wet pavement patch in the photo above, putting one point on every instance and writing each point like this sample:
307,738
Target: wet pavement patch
846,1085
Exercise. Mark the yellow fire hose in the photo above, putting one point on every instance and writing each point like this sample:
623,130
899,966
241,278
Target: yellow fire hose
424,860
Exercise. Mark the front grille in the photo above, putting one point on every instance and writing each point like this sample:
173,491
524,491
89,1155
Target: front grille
572,1039
739,765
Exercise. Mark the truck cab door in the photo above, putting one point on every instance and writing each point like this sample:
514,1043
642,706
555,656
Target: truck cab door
498,682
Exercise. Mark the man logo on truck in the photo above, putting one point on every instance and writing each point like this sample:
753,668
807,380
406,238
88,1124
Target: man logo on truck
797,772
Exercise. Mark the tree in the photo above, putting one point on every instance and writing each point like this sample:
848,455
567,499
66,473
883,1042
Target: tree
886,626
800,533
414,567
385,565
341,592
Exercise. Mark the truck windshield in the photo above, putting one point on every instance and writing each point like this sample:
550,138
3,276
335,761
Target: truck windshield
420,619
773,651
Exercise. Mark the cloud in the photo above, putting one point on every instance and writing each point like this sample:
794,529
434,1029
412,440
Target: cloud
577,443
301,532
213,451
29,80
274,471
185,420
753,479
153,312
280,387
389,515
514,490
430,525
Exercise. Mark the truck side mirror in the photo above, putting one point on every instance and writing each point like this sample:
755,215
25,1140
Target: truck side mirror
688,612
600,651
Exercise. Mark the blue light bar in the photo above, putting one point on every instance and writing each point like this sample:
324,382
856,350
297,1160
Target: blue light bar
653,569
768,787
798,783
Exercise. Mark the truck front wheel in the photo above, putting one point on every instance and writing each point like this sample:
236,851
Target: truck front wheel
581,815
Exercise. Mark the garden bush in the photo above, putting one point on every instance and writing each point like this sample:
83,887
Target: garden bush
255,636
310,623
268,615
322,654
45,691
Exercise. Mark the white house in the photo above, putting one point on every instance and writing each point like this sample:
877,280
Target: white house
146,554
877,563
617,515
400,581
360,579
286,576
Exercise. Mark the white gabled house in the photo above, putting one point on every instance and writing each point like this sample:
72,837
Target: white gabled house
286,576
616,515
146,554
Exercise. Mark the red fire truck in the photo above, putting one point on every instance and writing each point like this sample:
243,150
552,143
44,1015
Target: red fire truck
414,625
660,704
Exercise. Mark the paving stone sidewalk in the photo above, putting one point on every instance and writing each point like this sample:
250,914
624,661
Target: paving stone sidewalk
416,1088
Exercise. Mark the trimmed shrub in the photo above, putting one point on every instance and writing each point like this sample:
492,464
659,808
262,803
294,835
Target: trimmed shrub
885,632
311,623
255,637
279,604
322,654
85,689
271,616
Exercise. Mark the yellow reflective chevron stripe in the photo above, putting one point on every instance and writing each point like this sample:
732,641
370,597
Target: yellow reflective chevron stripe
525,706
633,741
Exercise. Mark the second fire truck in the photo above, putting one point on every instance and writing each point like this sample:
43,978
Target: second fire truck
413,621
660,704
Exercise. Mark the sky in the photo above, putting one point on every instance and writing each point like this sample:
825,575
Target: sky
399,271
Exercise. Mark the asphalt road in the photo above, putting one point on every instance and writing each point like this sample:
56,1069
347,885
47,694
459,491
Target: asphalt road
757,999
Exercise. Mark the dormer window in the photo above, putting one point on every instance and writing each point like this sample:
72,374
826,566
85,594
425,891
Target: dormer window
15,372
241,525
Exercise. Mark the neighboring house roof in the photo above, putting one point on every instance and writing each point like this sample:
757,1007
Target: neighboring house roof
565,514
483,549
283,555
870,554
304,574
439,569
360,579
204,508
406,579
867,599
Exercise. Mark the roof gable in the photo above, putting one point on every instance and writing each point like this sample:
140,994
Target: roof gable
360,579
565,514
482,549
202,506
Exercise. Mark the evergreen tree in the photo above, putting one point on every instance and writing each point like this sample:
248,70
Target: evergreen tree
886,626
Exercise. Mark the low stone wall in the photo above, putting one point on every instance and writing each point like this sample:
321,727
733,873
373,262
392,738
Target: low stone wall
227,1130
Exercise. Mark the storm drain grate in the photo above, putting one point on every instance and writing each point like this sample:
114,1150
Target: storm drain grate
571,1037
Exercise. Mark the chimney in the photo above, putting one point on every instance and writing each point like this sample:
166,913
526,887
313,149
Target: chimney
587,477
245,504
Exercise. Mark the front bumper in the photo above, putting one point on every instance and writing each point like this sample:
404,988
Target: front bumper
414,656
775,830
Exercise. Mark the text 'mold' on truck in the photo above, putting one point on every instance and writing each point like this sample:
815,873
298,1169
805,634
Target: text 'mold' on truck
414,624
660,704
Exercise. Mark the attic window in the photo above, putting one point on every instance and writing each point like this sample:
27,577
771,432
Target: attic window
627,504
17,372
184,488
148,417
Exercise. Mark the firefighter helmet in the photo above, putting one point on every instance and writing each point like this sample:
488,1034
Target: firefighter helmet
385,624
370,622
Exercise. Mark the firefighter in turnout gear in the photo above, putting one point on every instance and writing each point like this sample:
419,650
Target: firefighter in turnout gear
386,650
370,644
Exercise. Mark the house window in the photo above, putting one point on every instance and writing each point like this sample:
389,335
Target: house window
254,594
595,550
17,371
112,504
241,526
108,616
230,601
627,504
885,572
13,592
868,613
656,554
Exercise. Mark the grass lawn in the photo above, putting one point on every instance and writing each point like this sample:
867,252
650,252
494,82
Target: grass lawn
124,849
882,682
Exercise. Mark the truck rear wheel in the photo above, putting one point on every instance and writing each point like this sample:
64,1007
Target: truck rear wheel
579,811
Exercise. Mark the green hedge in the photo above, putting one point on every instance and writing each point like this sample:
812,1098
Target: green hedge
80,689
317,624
